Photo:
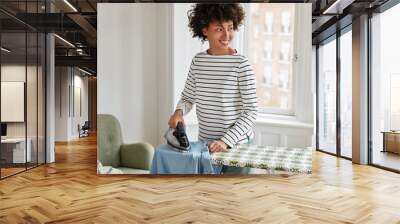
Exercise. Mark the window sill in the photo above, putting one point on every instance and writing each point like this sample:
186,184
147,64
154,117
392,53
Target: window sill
270,120
282,121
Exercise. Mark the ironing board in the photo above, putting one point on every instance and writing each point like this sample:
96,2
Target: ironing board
293,160
198,160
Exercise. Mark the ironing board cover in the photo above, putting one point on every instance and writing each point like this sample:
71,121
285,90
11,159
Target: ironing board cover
266,157
168,160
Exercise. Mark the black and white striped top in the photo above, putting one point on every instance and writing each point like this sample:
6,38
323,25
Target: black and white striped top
223,87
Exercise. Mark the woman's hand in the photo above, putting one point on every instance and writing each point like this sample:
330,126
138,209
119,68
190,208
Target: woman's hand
175,118
217,146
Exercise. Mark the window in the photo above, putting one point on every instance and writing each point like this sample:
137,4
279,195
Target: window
346,94
285,23
284,102
385,87
327,97
256,32
255,57
275,69
394,101
284,53
267,50
267,79
269,20
335,74
284,80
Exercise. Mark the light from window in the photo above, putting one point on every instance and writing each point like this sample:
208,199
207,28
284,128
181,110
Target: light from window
327,96
395,102
284,79
346,94
385,82
268,50
285,25
284,102
284,54
274,71
269,20
256,32
255,57
267,78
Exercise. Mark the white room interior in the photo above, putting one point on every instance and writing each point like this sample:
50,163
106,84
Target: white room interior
141,83
71,102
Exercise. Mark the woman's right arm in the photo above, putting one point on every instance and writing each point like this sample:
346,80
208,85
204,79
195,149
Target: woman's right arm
186,101
176,117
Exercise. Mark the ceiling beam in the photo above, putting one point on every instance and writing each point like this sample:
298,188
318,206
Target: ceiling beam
319,23
84,24
49,22
337,7
84,61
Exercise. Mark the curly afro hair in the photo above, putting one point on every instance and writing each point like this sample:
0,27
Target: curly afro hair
202,14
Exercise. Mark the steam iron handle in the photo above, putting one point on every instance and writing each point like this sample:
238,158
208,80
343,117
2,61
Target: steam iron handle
179,127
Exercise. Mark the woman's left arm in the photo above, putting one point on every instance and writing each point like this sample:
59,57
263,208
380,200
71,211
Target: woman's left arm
247,87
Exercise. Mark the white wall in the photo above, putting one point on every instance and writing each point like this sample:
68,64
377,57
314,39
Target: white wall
165,77
80,105
67,81
61,103
127,68
182,58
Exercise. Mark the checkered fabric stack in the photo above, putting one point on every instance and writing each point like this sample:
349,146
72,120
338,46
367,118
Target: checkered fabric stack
266,157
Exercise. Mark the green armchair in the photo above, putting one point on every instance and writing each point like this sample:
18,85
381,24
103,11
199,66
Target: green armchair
112,152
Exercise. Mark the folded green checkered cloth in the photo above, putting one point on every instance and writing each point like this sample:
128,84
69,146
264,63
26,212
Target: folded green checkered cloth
266,157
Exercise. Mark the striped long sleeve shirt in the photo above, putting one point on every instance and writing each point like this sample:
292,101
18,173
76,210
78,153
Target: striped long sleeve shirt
223,88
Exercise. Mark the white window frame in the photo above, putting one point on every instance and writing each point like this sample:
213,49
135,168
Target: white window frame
301,87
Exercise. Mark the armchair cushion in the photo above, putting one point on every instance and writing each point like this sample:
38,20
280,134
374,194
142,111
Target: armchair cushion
126,170
137,156
109,140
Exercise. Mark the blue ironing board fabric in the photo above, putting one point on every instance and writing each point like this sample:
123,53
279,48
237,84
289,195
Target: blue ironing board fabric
168,160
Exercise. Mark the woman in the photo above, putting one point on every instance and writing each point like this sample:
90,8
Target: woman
220,82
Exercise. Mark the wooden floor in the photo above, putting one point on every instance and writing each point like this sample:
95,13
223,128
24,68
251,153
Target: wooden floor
70,191
387,159
10,171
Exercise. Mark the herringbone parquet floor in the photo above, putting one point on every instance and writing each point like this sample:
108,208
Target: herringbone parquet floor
69,191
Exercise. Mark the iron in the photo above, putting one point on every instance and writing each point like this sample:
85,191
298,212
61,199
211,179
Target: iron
177,138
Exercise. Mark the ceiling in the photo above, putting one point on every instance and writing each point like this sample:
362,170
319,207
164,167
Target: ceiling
329,16
76,22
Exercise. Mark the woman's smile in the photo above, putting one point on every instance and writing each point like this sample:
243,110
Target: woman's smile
224,42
